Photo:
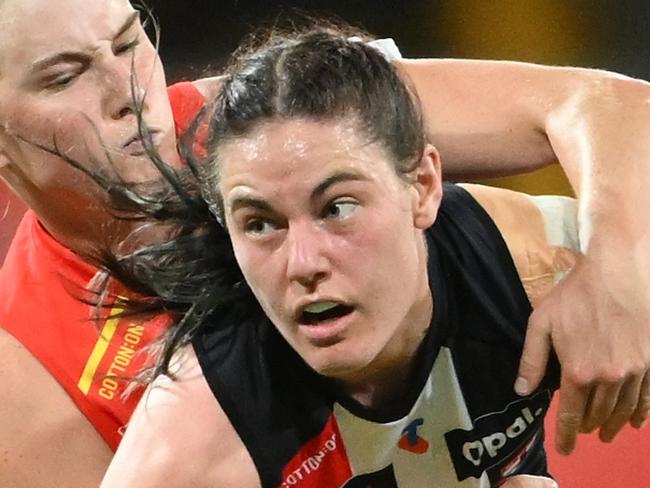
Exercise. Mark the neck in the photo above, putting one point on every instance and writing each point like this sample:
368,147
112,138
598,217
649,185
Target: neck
390,378
73,217
382,388
88,235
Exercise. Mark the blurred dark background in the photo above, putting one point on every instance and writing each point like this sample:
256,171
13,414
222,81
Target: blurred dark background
607,34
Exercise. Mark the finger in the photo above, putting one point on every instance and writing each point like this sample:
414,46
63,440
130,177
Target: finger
601,404
537,347
628,399
640,415
571,410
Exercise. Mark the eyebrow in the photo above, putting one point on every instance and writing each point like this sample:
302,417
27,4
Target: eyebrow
73,56
128,24
334,179
249,202
260,204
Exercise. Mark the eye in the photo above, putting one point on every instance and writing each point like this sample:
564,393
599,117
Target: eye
341,209
258,227
127,47
60,82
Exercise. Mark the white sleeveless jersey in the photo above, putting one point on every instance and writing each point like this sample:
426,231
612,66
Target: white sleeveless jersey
460,425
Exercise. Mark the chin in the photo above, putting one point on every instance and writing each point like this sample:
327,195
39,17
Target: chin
341,365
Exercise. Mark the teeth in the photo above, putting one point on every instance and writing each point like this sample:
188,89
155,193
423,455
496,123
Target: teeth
320,307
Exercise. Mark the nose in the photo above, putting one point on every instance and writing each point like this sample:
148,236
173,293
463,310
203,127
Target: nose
307,260
122,92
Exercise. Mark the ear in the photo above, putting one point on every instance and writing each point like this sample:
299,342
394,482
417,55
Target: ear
427,182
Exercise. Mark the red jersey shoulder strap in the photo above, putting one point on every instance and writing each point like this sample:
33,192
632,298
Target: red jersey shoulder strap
39,307
186,101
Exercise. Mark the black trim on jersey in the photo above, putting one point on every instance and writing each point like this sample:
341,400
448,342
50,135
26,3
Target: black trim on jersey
501,323
487,343
271,398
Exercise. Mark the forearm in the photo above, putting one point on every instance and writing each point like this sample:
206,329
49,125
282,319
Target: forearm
598,125
605,131
602,133
490,118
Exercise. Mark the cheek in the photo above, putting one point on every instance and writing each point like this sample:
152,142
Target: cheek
45,123
55,129
262,275
53,176
150,75
252,262
148,63
379,238
28,119
383,257
28,131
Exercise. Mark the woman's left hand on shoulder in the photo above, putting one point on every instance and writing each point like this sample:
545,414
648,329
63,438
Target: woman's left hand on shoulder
598,322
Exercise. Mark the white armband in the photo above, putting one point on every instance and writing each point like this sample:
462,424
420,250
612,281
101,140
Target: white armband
560,216
386,47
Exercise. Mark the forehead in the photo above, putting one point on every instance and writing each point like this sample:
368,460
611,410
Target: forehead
299,153
33,29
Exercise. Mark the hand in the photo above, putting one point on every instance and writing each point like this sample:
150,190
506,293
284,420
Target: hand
598,321
528,481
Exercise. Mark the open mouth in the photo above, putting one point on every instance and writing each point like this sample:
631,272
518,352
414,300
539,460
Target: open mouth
320,312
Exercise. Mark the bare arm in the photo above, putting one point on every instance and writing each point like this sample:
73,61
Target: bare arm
500,117
491,117
179,437
597,319
44,439
495,117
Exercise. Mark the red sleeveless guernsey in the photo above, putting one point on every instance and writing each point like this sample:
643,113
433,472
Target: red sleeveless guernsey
40,283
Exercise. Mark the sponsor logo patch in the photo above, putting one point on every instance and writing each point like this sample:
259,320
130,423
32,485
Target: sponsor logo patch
498,437
411,441
320,462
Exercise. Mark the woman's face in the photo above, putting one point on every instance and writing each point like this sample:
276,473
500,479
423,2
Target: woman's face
329,239
65,72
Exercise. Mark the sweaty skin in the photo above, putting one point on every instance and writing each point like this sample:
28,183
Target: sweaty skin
59,83
307,220
589,120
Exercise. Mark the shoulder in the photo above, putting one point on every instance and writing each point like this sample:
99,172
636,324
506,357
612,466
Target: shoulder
179,436
209,87
187,98
541,233
45,439
203,89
